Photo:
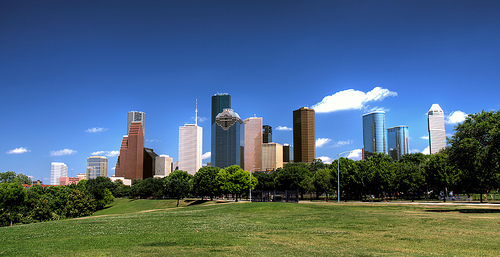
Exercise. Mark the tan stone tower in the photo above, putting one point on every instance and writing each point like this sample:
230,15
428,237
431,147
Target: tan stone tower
304,135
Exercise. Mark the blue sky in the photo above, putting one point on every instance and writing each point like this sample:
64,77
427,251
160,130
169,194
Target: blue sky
71,70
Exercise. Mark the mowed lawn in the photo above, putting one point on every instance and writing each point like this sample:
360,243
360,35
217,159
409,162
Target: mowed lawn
158,228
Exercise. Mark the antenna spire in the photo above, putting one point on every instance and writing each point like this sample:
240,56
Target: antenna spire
196,111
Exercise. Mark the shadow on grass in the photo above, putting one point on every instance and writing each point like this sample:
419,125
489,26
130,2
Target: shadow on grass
468,210
195,202
160,244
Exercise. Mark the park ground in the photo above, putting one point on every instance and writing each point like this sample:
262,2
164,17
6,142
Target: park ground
220,228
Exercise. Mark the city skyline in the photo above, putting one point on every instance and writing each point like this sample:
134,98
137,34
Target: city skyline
69,79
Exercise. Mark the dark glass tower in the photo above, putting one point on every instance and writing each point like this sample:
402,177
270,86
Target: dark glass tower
229,137
219,103
304,135
267,134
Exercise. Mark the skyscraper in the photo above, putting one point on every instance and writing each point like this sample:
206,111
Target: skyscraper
57,170
397,142
373,134
97,166
190,148
272,156
229,137
253,144
219,103
148,163
134,116
437,133
267,134
304,141
130,161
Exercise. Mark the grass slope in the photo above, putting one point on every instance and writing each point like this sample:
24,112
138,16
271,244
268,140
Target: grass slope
263,229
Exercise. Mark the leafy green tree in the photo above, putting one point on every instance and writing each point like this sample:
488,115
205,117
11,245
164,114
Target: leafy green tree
100,189
291,176
12,199
7,177
475,150
177,188
438,172
315,165
380,174
205,182
322,181
352,181
266,181
408,178
121,190
234,180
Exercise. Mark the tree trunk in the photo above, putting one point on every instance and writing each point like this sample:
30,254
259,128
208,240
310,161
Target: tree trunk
178,199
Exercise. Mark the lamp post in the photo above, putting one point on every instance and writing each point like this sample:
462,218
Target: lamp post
338,174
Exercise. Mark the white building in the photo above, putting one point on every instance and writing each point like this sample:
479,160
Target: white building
57,170
437,133
97,166
190,148
163,166
136,116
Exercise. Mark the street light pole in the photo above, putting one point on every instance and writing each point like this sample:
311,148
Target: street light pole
338,174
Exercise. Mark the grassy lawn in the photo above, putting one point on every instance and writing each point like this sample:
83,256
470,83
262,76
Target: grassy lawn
130,228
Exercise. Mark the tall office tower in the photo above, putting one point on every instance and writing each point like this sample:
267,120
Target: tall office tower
190,148
134,116
286,153
267,134
219,103
373,134
97,166
304,141
253,144
272,156
149,163
130,161
228,133
57,170
397,142
437,133
163,166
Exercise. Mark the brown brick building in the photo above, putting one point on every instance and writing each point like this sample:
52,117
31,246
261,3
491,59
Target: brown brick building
304,135
130,163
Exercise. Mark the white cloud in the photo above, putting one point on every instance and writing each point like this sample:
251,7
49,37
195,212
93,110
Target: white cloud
152,140
96,130
351,99
114,168
379,109
202,119
355,154
427,151
425,137
326,159
342,143
19,150
206,155
62,152
322,141
283,128
456,117
415,151
106,153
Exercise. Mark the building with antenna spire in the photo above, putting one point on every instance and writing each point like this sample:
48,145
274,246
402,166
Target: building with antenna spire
190,146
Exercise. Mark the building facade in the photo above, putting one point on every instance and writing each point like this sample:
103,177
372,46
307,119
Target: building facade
130,161
164,165
219,103
397,142
253,144
437,132
374,134
228,133
134,116
267,134
272,156
190,148
304,135
57,170
97,166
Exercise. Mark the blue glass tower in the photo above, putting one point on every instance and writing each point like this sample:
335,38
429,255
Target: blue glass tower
229,137
219,103
373,134
397,142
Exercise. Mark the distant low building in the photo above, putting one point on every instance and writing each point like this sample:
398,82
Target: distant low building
64,181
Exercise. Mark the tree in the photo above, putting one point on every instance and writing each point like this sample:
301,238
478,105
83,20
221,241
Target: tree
291,176
100,189
475,150
322,182
438,172
234,180
177,188
266,181
10,177
12,198
205,182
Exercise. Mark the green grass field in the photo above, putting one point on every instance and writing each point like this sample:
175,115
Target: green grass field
157,227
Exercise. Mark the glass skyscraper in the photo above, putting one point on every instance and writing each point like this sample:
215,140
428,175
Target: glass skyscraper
219,103
229,137
97,166
397,142
373,134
